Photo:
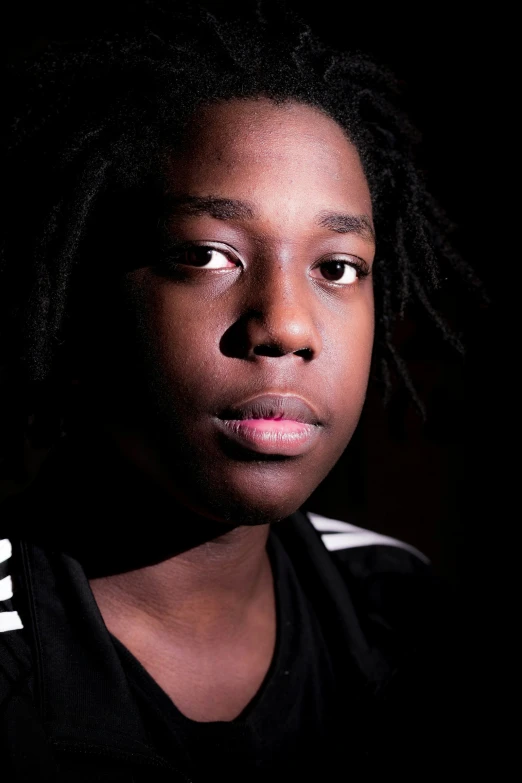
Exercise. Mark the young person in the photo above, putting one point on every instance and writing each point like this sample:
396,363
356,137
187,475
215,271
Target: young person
211,228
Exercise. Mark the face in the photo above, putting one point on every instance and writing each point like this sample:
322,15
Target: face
254,334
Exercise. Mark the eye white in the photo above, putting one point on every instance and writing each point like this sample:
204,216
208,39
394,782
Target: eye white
218,260
349,275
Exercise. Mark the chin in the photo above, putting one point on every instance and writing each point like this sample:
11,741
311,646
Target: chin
251,508
267,492
257,492
252,514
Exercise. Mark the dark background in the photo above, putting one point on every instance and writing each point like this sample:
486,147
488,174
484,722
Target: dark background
440,484
436,484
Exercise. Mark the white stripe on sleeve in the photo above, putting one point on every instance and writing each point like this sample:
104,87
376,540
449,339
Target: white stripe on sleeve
338,535
10,621
6,588
6,550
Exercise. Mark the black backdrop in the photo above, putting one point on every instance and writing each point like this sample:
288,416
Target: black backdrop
432,484
440,485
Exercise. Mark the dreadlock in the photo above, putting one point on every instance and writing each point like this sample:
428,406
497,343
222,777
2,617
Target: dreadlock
94,119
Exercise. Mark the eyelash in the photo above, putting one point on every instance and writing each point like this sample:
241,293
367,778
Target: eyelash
172,263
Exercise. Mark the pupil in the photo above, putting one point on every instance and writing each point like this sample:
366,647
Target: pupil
333,270
199,256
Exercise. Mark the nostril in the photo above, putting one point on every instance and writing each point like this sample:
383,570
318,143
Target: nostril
271,349
268,350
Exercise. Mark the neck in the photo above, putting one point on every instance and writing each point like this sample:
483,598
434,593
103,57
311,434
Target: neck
193,599
208,590
202,623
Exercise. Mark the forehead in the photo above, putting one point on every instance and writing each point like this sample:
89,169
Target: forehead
256,147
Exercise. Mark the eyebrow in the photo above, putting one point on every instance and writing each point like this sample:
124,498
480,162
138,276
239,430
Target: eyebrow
347,224
237,209
218,208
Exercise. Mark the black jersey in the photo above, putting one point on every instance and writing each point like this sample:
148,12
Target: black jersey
362,669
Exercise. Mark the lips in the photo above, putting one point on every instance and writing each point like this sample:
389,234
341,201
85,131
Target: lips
272,424
273,406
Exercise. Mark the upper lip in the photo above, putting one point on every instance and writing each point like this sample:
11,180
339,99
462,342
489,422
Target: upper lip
273,406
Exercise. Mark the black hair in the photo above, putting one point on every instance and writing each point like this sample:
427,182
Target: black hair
92,120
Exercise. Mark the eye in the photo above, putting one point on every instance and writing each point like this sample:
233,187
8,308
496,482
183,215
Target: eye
341,272
205,257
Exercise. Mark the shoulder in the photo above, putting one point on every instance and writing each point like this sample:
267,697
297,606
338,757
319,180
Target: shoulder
409,616
398,598
364,556
15,659
353,544
9,617
24,747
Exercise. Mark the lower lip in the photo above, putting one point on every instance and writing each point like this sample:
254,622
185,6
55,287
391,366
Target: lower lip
283,437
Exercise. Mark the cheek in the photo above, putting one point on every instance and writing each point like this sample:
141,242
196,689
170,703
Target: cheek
183,332
344,379
349,349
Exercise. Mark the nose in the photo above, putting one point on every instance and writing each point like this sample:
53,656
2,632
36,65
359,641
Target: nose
280,319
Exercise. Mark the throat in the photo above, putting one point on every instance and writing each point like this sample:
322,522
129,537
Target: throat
208,644
210,683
